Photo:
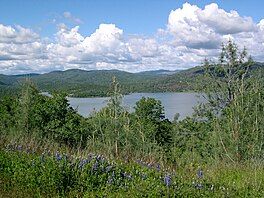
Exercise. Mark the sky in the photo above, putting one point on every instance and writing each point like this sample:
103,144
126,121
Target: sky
41,36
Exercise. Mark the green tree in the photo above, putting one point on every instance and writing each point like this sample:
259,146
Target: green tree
29,98
8,107
111,122
227,76
150,113
150,109
233,109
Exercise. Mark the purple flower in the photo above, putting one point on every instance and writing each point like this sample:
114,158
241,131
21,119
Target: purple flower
199,186
149,165
125,175
83,163
95,166
19,147
128,176
28,150
158,167
110,180
200,174
167,180
58,156
140,162
99,158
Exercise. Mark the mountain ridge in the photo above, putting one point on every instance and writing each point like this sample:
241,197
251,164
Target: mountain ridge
84,83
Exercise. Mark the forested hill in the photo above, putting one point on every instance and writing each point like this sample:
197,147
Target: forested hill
81,83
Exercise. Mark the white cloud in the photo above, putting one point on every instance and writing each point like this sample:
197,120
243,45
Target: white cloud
67,37
191,35
204,28
187,29
17,34
106,39
225,22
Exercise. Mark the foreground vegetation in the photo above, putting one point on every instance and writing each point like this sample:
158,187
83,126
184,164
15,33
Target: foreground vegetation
26,172
47,149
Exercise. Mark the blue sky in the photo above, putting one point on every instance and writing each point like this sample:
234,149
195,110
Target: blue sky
41,36
134,17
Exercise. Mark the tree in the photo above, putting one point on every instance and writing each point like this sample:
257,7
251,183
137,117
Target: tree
109,122
149,108
8,107
235,111
227,76
114,104
29,98
150,114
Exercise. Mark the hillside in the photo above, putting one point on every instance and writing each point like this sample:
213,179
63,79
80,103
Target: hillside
81,83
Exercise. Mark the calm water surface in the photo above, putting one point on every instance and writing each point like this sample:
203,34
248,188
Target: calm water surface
173,103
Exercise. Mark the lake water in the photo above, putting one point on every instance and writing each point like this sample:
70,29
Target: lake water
173,103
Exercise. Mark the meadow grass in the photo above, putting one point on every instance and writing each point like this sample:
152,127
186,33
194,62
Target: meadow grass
37,169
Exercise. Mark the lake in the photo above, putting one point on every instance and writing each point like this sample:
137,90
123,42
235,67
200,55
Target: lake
173,103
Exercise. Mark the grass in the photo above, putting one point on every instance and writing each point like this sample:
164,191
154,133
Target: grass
36,171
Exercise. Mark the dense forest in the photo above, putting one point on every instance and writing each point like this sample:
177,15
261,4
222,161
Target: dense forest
48,150
80,83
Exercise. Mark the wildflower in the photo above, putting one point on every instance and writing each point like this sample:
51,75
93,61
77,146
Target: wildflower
199,186
149,165
110,180
126,175
28,150
95,166
58,156
200,174
122,175
138,161
158,167
99,158
167,180
19,147
83,163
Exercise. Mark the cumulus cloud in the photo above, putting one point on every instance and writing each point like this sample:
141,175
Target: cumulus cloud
188,30
67,37
191,35
16,34
205,28
225,22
